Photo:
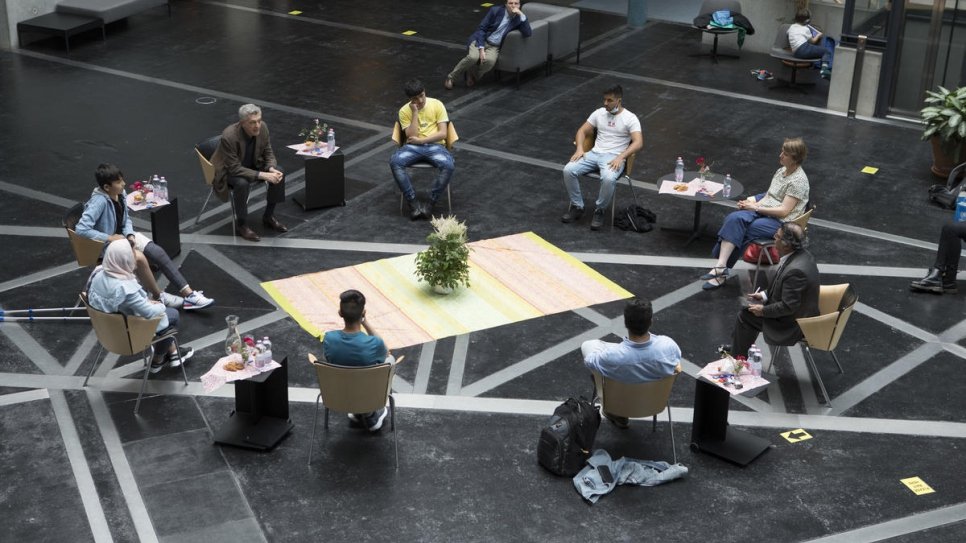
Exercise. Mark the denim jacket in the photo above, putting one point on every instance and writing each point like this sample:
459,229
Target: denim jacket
99,221
112,295
626,471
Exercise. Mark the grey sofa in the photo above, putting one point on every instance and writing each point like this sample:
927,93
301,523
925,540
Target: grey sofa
519,54
108,10
556,34
564,28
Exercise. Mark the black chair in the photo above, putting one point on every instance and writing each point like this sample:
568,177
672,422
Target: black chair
711,6
782,50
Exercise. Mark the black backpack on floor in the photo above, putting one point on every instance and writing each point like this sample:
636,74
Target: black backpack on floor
566,442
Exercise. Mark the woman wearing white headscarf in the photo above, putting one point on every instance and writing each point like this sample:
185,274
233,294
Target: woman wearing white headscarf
113,288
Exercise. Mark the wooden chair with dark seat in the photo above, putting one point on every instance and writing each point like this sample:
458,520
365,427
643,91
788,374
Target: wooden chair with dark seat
86,251
354,389
823,332
128,335
451,138
638,400
625,174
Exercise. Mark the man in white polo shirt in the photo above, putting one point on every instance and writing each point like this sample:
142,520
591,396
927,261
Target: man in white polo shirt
618,136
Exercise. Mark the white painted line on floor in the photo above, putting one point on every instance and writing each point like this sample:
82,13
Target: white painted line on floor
122,469
531,363
24,397
38,195
36,277
33,351
87,345
455,382
421,382
882,378
917,523
80,467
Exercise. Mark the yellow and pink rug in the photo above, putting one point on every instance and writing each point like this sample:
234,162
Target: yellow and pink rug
512,278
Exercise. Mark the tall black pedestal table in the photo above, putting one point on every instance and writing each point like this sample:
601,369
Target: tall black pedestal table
260,418
324,182
711,433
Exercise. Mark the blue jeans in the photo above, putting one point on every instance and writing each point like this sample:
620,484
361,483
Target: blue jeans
740,228
161,348
409,154
592,162
808,50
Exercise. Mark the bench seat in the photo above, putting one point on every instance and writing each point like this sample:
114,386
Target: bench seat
108,10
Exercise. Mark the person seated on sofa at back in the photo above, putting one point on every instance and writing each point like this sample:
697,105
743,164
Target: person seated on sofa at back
113,288
351,347
106,219
807,41
640,358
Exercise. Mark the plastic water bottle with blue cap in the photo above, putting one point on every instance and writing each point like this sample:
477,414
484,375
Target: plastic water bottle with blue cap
726,189
961,206
679,170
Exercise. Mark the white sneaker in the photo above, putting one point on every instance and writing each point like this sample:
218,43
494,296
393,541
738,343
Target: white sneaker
170,300
197,300
374,422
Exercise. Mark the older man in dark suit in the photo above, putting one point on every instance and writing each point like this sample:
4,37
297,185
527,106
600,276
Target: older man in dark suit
793,294
243,157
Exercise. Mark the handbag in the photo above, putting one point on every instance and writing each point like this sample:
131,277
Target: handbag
753,250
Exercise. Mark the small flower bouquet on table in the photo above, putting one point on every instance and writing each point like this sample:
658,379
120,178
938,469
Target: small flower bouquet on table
314,136
704,168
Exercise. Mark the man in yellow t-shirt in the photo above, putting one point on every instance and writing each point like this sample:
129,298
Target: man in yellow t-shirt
424,142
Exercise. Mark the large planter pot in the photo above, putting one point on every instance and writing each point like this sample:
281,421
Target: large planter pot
942,163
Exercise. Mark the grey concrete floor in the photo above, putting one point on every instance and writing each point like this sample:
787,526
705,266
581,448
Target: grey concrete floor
78,465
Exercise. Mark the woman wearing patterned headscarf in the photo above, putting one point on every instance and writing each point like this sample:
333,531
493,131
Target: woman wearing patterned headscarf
113,288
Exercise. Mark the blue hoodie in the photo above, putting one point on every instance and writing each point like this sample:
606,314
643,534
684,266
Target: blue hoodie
99,220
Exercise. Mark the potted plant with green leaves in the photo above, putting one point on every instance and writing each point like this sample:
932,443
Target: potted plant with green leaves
445,265
944,122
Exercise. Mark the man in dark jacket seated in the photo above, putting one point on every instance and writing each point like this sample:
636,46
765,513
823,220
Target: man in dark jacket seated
793,294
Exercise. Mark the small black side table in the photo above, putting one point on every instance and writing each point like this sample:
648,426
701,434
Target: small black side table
165,229
711,433
64,25
260,418
324,182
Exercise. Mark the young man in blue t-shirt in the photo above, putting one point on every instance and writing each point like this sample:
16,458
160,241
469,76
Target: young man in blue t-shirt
351,347
641,356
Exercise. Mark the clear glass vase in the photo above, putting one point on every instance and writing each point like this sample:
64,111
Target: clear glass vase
233,342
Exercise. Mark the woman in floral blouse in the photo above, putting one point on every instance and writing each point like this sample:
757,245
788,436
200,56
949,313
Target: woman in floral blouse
760,216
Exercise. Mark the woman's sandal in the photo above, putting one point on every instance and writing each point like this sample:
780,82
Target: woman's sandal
716,272
715,282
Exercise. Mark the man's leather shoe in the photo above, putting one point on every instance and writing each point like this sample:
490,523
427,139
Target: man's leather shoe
272,222
936,281
248,234
416,210
573,214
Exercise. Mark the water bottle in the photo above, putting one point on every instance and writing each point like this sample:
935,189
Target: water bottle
330,140
163,189
267,343
679,170
754,360
726,189
961,206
